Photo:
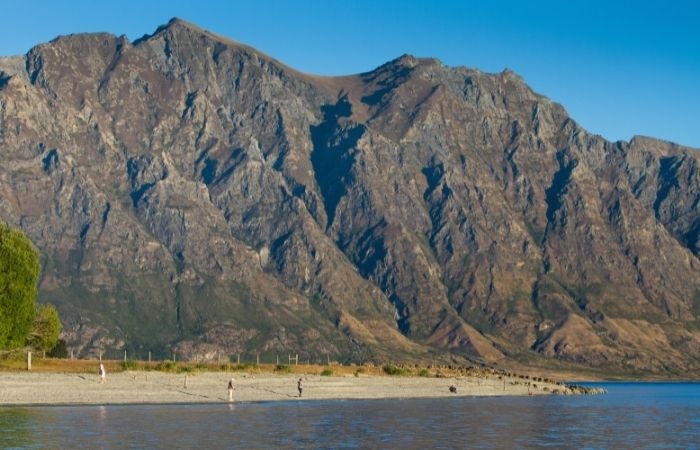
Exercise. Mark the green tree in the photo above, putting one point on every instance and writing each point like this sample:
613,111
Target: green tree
47,326
19,273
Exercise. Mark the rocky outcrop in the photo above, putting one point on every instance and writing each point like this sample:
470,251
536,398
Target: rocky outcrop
189,192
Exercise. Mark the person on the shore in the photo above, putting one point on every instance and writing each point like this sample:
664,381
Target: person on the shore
102,373
231,388
300,386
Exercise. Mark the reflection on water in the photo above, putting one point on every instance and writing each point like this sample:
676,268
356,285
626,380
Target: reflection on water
16,426
102,414
630,416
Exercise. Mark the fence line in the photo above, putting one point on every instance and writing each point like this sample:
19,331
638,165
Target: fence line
250,357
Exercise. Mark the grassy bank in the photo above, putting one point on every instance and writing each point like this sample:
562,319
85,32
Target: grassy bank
53,365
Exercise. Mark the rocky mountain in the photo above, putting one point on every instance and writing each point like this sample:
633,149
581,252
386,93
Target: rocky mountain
190,193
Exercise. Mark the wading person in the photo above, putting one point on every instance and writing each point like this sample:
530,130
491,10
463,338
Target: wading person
231,388
300,386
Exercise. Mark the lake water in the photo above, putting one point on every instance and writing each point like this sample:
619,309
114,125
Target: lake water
631,415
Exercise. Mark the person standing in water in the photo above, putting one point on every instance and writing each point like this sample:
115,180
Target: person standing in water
300,386
231,388
102,373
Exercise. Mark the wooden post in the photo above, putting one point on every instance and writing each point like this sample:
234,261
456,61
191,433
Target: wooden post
185,381
43,355
29,360
149,356
173,356
238,359
71,354
257,359
100,355
278,359
124,355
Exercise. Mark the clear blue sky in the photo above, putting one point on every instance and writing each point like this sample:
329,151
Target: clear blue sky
619,67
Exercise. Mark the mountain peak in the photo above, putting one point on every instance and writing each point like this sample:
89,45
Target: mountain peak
405,60
178,22
412,61
173,25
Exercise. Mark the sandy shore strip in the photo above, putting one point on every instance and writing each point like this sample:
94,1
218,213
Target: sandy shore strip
134,387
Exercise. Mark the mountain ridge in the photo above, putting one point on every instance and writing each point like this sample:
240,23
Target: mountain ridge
411,211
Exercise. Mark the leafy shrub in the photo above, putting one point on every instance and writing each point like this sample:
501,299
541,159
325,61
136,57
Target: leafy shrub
283,368
424,373
393,370
166,366
250,367
327,372
129,364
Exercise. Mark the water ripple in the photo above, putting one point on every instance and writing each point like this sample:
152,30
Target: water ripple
632,415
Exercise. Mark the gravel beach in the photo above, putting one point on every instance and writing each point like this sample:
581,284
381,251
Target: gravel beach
139,387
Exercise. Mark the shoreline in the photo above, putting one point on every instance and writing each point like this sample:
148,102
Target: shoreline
157,388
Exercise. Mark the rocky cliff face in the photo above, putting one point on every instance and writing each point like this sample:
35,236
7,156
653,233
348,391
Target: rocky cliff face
190,193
